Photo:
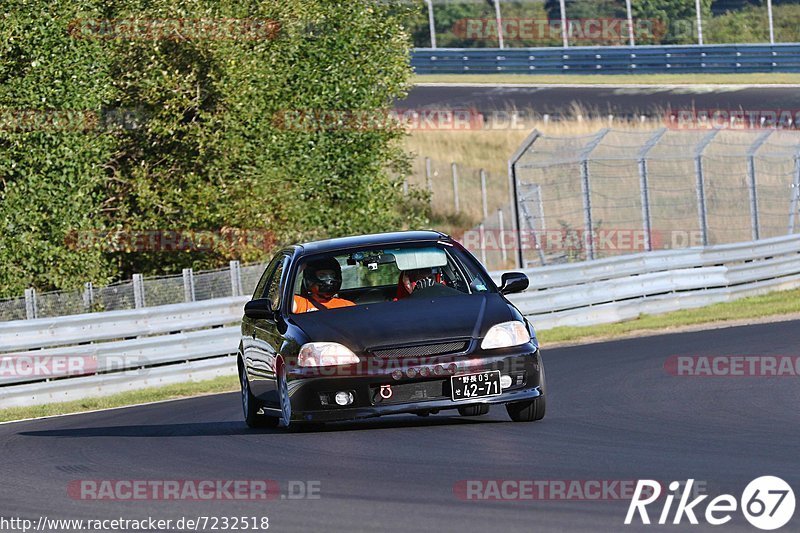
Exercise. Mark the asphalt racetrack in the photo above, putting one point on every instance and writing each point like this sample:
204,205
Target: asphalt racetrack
614,413
603,100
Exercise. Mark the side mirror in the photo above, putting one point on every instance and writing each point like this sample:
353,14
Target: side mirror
259,309
514,282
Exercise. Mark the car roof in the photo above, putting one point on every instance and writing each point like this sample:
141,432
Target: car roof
379,239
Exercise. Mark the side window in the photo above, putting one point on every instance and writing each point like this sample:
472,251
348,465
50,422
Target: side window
262,282
275,285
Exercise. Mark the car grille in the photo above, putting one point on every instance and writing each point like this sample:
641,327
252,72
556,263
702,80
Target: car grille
421,350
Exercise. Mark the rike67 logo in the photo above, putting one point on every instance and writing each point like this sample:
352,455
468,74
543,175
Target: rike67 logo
767,503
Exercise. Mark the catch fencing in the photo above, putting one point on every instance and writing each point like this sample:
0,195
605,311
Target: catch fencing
136,293
616,192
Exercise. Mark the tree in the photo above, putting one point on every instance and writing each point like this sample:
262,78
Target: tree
207,148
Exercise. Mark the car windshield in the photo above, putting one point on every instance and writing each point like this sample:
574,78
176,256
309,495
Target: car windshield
389,274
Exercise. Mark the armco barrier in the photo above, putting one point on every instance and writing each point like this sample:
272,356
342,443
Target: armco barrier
188,342
609,59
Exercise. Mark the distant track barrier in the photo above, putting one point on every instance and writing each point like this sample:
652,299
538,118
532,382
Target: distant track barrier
609,59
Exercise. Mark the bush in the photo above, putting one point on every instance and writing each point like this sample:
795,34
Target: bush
190,134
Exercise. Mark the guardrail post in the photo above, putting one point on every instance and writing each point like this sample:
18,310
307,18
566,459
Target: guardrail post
701,184
484,199
31,306
236,279
645,188
138,292
454,169
188,285
751,181
88,296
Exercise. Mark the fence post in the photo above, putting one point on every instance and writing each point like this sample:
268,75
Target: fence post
644,187
751,182
188,285
431,23
454,169
428,179
405,186
482,234
514,191
499,19
138,292
586,189
88,296
502,236
236,279
795,194
587,209
701,184
31,306
484,199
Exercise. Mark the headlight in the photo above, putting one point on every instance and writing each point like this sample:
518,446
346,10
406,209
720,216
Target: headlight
325,354
505,335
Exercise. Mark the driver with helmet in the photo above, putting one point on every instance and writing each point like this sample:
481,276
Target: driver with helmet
322,279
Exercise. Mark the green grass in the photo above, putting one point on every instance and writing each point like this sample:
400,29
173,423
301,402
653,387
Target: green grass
169,392
614,79
768,305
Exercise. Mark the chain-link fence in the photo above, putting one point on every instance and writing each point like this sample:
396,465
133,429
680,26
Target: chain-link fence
139,292
536,23
618,192
460,196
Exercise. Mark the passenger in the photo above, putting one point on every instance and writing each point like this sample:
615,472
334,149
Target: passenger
417,279
322,279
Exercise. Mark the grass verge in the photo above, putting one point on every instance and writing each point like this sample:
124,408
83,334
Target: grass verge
169,392
615,79
755,307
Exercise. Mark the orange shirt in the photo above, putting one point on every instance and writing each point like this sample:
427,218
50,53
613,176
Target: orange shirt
304,305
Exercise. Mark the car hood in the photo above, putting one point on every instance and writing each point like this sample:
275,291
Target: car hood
408,321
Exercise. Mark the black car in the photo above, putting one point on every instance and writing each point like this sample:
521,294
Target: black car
406,322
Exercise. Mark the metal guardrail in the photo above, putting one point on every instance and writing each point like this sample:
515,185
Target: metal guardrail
609,59
126,350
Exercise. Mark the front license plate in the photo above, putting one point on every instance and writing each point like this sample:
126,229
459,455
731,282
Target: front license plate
474,386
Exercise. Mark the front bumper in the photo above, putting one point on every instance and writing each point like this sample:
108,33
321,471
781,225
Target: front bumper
312,390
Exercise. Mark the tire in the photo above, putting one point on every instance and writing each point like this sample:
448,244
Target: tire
285,419
474,410
527,411
251,405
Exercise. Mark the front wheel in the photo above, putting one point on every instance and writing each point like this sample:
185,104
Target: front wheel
527,411
283,397
251,405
